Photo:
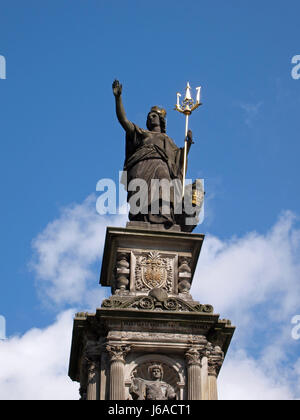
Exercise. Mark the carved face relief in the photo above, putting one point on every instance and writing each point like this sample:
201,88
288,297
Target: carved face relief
156,373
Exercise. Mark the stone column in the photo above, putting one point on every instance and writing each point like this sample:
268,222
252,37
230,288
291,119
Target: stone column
215,360
117,356
204,378
90,371
93,381
193,373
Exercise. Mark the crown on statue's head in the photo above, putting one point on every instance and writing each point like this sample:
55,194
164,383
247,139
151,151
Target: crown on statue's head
156,366
160,111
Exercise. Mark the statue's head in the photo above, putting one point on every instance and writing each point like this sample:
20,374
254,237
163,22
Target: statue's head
156,371
157,116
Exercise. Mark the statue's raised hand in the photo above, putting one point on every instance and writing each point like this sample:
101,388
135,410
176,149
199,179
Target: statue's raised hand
117,88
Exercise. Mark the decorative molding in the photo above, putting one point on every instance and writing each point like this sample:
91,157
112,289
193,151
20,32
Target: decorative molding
184,274
152,303
117,353
215,360
193,356
122,271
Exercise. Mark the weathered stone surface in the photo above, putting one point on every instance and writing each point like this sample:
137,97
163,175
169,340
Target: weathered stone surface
152,303
166,337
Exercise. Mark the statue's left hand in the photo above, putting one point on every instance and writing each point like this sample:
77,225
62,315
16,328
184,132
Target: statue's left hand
117,88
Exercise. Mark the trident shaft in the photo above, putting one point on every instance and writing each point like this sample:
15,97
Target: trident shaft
187,107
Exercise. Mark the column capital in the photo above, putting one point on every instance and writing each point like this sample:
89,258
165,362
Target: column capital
193,356
117,353
215,360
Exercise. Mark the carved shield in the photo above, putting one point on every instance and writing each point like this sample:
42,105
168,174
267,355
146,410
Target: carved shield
154,271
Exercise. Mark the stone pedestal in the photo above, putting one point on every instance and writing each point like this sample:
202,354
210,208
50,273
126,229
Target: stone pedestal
150,325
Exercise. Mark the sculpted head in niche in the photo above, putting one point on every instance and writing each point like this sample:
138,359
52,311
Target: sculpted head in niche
156,372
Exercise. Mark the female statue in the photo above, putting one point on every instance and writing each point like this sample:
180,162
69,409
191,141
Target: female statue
151,155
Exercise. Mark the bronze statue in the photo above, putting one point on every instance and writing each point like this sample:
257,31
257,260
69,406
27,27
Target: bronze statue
151,155
153,389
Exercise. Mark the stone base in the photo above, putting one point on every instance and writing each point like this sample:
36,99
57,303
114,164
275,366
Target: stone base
150,325
190,347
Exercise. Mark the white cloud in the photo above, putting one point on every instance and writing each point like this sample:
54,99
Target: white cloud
239,274
35,365
254,281
243,378
67,251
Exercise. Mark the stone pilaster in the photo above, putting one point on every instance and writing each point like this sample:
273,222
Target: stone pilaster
117,354
194,373
91,366
215,361
93,381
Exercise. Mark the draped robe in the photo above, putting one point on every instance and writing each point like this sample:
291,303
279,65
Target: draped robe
151,155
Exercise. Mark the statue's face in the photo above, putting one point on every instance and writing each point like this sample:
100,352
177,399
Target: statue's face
153,119
156,373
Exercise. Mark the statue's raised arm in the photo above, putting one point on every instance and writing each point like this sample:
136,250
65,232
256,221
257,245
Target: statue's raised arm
120,111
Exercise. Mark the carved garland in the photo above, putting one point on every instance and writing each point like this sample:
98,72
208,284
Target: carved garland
150,303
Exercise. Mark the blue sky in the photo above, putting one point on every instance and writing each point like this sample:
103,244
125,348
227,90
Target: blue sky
59,136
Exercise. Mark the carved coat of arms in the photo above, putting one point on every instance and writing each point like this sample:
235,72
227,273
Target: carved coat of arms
153,271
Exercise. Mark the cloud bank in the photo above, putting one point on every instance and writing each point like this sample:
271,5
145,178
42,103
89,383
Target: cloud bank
34,366
242,275
67,255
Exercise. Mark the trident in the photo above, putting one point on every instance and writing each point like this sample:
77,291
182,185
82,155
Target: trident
187,107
